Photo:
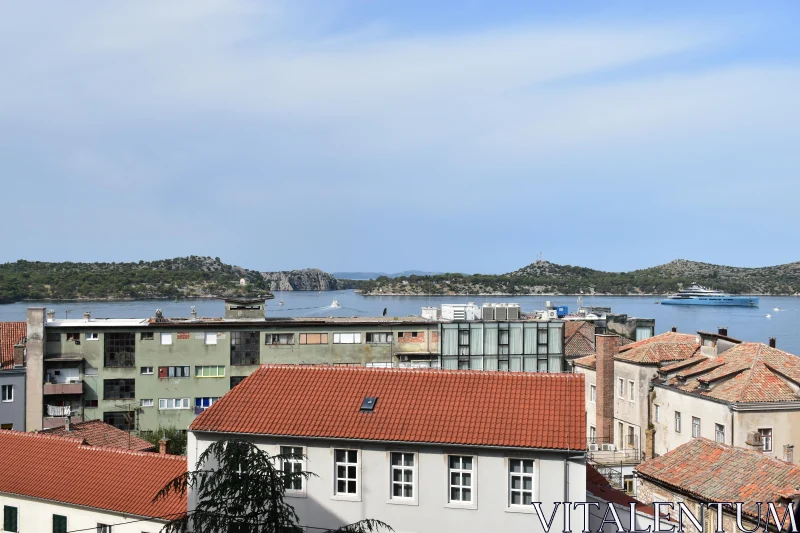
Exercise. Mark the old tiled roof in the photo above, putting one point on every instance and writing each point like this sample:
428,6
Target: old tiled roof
10,334
748,372
98,433
579,338
716,472
669,346
590,361
506,409
65,470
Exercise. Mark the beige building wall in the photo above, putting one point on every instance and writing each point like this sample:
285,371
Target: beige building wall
666,438
785,425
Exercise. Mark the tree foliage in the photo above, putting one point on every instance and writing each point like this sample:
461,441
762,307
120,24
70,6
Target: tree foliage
240,489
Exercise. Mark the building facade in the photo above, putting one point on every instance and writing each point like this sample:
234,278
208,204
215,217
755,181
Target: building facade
12,399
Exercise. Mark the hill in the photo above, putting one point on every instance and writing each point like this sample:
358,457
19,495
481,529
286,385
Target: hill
307,279
192,276
375,275
542,277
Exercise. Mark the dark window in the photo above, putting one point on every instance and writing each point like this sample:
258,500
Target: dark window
9,518
174,372
414,333
378,338
279,338
53,336
59,524
120,349
399,334
244,348
119,389
73,336
90,403
235,380
147,336
124,420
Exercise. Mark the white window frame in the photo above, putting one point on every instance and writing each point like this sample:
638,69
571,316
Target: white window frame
521,507
631,391
656,412
696,434
144,372
211,401
210,336
103,528
165,339
199,369
269,339
621,387
92,336
719,431
162,404
294,493
385,335
593,393
677,421
764,441
146,402
7,393
345,495
347,338
592,435
403,500
460,504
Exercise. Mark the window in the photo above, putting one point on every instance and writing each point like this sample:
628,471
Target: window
656,412
209,371
621,387
719,433
53,336
292,464
210,338
592,435
166,338
621,433
90,371
92,336
313,338
766,438
174,372
627,484
346,472
204,403
631,391
146,402
399,334
520,482
235,380
643,332
695,427
677,422
379,338
7,393
124,420
103,528
402,475
4,427
146,370
279,338
119,389
74,336
414,334
631,442
120,349
173,403
147,336
9,518
347,338
592,393
90,403
59,524
244,347
460,478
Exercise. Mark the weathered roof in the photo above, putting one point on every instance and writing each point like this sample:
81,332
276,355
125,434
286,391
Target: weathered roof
578,338
11,333
98,433
748,372
505,409
716,472
669,346
63,469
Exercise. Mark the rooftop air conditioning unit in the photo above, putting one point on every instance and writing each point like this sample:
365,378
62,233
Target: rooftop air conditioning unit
513,312
593,447
487,312
501,312
609,447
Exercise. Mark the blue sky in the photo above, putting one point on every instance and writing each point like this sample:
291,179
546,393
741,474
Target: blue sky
355,135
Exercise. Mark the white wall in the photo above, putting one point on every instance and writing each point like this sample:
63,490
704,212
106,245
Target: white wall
431,511
709,413
37,516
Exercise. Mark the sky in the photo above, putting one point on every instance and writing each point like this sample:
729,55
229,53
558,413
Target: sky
383,136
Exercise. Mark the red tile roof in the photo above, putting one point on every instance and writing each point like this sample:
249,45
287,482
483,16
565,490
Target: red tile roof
590,361
506,409
98,433
65,470
716,472
748,372
10,334
669,346
579,338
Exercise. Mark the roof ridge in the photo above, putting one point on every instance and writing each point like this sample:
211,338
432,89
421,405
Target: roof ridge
340,368
43,435
126,451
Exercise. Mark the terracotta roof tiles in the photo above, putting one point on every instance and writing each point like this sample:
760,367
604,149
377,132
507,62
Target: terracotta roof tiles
10,334
579,338
669,346
505,409
98,433
37,465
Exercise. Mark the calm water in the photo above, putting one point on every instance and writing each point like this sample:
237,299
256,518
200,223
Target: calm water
748,324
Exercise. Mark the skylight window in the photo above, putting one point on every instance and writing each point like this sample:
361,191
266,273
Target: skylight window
369,403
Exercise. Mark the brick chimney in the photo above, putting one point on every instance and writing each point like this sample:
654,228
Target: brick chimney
19,355
66,424
674,329
163,446
788,453
607,348
772,342
87,316
723,330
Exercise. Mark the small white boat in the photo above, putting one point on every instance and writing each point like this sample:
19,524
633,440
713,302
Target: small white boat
777,309
768,316
335,303
280,303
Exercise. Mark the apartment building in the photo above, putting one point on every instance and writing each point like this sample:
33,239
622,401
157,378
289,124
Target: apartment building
420,449
725,396
12,375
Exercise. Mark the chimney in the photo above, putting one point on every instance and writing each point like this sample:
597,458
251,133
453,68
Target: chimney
87,316
788,453
723,330
66,424
754,441
19,355
674,329
194,313
163,446
51,315
607,348
772,342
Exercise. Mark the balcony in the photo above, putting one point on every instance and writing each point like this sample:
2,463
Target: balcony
56,415
63,388
609,453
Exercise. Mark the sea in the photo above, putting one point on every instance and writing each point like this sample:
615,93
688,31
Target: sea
744,323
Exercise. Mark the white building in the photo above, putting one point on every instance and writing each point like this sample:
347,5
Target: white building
59,484
422,450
